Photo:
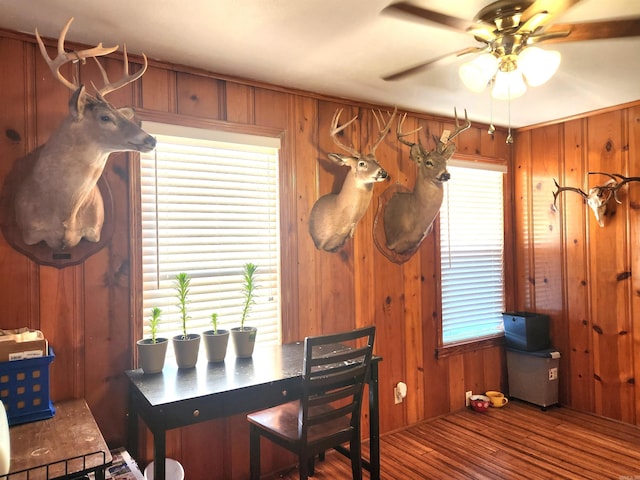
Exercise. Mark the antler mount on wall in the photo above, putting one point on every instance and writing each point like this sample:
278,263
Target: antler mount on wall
599,196
56,199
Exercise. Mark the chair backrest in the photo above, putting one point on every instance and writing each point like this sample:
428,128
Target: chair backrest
334,371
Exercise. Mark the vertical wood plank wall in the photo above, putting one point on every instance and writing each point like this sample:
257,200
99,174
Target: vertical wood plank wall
583,275
85,310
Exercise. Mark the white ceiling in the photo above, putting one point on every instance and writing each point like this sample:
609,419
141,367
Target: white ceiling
343,47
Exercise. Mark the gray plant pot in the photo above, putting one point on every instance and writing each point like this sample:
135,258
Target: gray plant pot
151,355
186,350
244,340
215,345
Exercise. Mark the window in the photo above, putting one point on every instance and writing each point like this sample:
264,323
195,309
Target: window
209,203
471,246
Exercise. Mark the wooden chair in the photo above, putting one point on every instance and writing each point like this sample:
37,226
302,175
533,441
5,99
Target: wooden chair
328,413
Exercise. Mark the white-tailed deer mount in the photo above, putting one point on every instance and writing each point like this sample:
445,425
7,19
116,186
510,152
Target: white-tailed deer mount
405,217
598,196
58,200
334,216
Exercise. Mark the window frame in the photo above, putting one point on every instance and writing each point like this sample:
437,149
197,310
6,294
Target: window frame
445,350
288,250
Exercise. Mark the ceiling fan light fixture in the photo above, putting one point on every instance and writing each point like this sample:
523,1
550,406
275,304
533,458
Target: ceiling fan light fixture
477,73
508,85
538,65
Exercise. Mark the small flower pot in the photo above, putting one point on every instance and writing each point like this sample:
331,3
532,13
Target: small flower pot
186,349
215,345
244,340
151,355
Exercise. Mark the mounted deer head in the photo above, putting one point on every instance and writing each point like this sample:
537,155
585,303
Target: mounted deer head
334,216
598,196
58,201
408,216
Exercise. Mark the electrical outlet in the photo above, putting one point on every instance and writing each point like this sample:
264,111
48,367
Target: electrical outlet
397,397
553,374
467,396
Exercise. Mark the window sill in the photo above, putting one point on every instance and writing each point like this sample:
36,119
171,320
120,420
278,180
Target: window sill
469,346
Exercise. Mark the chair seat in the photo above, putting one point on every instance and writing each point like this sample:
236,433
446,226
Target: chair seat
282,420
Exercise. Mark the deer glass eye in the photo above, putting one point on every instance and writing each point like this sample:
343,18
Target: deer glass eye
362,164
105,118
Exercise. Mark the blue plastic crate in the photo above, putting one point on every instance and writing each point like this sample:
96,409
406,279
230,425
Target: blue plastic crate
24,389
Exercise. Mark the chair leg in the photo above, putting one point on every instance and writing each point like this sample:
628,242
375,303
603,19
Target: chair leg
312,466
356,457
254,452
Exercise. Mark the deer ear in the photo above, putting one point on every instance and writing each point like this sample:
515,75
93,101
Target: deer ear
339,159
77,103
449,150
128,112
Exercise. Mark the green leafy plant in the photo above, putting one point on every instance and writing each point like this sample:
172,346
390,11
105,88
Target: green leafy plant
154,322
214,322
248,290
182,285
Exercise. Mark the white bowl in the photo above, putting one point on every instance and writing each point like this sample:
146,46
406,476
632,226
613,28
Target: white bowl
173,470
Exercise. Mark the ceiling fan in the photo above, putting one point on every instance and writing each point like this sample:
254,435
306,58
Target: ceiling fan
506,28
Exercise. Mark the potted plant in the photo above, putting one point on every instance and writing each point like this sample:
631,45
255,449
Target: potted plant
185,345
215,341
152,351
244,338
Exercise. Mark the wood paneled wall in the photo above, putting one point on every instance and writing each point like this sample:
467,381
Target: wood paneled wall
566,266
583,275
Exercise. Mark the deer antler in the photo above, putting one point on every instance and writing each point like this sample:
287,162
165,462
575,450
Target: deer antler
400,135
459,128
127,79
612,187
335,130
565,189
66,57
382,130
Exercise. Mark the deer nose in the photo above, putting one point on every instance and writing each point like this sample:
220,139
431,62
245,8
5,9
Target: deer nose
150,141
382,173
444,177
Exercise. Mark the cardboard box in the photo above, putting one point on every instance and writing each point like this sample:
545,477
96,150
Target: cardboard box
22,344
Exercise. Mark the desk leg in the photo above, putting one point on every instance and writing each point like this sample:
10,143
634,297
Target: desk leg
132,427
159,454
374,423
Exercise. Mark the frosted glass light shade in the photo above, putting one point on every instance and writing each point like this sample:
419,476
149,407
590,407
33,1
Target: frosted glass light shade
538,65
477,73
508,85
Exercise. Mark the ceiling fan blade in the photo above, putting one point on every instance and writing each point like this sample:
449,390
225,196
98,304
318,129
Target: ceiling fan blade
406,9
629,27
552,8
431,63
549,37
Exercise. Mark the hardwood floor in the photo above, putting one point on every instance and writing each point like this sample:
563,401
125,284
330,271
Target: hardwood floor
519,441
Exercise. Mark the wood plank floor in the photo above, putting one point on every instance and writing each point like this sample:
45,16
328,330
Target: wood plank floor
519,441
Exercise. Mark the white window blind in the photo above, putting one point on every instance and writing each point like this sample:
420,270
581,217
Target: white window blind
472,245
210,206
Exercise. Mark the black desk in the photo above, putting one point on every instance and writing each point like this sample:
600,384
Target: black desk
176,398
